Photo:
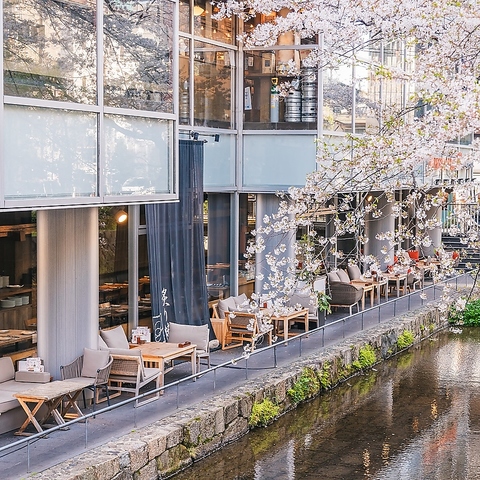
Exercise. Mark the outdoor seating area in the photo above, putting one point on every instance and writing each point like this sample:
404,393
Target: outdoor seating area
348,287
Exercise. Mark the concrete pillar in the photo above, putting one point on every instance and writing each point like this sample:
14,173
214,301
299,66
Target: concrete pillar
435,234
67,284
266,205
373,226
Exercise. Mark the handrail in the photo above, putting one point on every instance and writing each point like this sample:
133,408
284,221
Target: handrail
21,443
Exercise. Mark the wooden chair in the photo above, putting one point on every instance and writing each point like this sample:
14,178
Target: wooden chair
242,327
129,375
31,324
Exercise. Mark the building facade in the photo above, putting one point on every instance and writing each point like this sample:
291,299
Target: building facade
97,94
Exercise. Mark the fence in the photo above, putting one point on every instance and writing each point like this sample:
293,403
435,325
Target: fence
276,354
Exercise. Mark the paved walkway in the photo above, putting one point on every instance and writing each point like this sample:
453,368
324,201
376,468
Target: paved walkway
59,446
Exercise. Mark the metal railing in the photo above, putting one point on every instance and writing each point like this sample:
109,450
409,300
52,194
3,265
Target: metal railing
346,330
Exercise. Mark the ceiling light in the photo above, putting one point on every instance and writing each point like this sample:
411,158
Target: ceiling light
197,10
120,216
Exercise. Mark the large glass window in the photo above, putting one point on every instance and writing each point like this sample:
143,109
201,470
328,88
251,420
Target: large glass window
113,266
51,153
216,215
185,88
338,98
208,27
247,220
138,66
50,49
280,87
279,92
137,152
213,67
18,282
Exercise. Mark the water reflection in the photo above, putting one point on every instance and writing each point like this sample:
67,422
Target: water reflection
416,417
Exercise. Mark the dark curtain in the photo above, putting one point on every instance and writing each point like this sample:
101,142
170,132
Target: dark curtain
176,253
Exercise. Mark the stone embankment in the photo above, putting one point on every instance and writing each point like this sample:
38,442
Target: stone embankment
175,442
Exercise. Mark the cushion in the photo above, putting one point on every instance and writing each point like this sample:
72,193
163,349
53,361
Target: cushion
224,305
343,276
115,338
7,370
195,334
304,300
93,360
354,272
333,277
241,300
101,343
32,377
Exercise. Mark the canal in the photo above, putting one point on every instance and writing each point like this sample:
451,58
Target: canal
415,416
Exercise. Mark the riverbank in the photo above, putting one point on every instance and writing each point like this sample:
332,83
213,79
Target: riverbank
176,441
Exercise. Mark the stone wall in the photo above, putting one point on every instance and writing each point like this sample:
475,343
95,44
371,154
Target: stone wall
175,442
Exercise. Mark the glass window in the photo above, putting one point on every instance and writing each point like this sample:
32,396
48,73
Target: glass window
274,160
138,55
184,21
113,267
217,214
279,92
137,155
247,219
184,91
49,50
18,271
213,67
338,98
208,27
50,153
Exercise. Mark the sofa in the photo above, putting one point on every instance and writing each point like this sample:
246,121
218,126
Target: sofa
342,292
11,413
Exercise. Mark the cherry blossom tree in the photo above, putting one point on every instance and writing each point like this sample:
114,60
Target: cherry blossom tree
403,153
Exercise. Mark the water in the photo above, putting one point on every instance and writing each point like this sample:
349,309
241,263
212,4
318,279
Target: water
416,417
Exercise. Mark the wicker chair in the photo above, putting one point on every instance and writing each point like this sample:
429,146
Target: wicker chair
345,295
74,370
129,375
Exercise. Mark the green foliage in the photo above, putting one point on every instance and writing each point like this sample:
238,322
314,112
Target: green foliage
366,358
325,381
405,339
470,316
263,413
306,386
323,302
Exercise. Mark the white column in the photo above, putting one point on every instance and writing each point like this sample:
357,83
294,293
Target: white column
373,226
435,234
67,284
266,205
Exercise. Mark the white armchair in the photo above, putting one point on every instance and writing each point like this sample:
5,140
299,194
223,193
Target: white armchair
198,335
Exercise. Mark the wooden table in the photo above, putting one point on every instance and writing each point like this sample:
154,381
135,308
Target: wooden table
371,286
367,287
156,354
301,315
51,395
14,337
397,278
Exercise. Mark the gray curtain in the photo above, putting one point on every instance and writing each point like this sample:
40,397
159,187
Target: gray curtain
176,249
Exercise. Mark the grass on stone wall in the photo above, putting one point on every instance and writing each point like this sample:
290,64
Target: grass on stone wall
305,387
263,413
